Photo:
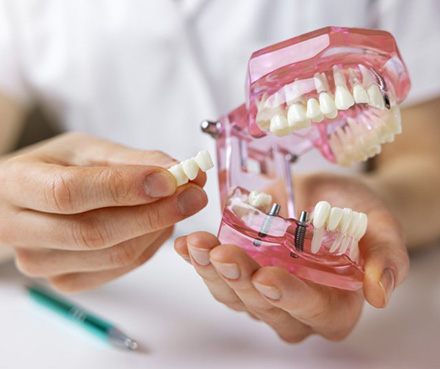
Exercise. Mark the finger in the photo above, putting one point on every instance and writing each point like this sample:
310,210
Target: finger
100,228
48,263
328,311
69,190
76,282
386,258
180,245
198,246
236,269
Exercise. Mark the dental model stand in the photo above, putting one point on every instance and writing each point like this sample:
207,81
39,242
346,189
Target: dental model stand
336,90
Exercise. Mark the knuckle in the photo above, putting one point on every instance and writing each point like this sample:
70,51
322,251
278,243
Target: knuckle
59,193
123,255
119,190
89,233
151,219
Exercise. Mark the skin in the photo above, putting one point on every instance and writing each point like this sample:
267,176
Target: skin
81,211
393,196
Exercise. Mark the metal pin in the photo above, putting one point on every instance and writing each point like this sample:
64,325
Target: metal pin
274,211
300,232
212,128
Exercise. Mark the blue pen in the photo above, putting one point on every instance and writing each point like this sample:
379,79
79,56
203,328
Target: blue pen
92,323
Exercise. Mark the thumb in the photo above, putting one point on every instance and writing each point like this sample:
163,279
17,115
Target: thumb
386,258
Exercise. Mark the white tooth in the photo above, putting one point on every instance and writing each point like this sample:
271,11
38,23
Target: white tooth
367,76
344,245
178,173
354,252
190,168
313,110
336,243
355,219
327,105
343,98
345,221
320,214
292,91
318,235
334,218
375,96
260,200
296,116
360,94
278,125
204,160
394,122
321,83
362,226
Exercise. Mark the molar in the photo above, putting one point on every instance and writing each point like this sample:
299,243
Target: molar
260,200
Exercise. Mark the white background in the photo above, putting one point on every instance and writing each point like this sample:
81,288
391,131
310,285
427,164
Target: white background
165,306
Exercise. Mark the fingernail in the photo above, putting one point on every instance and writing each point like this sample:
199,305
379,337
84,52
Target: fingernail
228,270
191,201
159,184
270,292
201,256
387,282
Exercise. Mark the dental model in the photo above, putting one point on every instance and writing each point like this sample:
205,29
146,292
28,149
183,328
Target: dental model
260,200
188,170
337,90
350,226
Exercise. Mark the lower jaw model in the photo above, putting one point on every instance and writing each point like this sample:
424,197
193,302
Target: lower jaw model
336,90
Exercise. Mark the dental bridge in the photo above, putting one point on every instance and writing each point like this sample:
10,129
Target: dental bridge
336,90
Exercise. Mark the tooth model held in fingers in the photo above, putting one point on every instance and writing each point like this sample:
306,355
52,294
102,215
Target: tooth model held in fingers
188,169
260,200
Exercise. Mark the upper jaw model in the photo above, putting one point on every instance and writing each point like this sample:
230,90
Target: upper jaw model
334,89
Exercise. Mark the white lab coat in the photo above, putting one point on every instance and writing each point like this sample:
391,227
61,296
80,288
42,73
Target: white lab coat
145,73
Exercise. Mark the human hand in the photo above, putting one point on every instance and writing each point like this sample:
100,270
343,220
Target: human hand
81,211
295,308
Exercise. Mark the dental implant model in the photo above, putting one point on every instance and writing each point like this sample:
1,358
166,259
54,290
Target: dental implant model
336,90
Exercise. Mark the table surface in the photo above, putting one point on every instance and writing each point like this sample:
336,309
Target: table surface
165,306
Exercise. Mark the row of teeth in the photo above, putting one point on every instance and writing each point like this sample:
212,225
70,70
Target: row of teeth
350,225
260,200
360,140
273,117
188,170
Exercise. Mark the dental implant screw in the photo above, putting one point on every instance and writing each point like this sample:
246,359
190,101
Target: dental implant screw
274,211
300,232
212,128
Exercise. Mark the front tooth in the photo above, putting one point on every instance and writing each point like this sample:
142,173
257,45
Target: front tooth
327,105
321,213
278,125
355,219
296,116
260,200
190,168
178,173
334,218
362,226
318,235
343,98
345,221
375,96
275,101
204,160
360,94
313,110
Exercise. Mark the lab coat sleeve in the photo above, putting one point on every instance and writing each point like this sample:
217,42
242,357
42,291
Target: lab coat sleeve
416,26
12,80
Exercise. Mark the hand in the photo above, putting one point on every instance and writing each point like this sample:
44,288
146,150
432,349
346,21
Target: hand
81,211
295,308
